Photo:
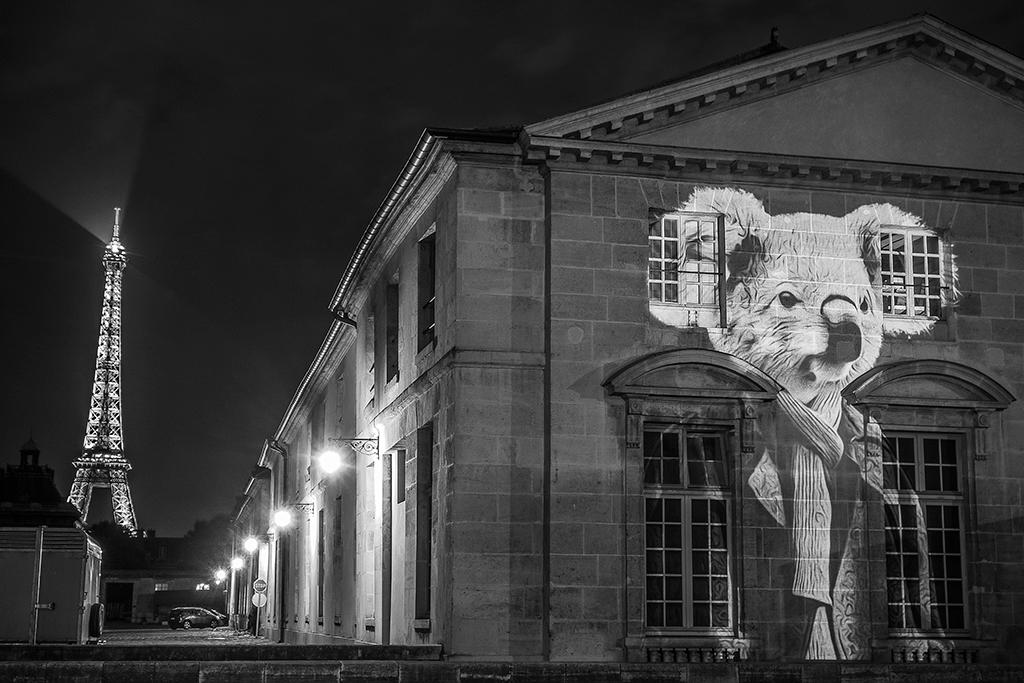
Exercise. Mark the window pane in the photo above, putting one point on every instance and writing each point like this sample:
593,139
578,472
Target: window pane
717,510
674,589
670,458
674,614
701,563
673,510
673,562
699,509
705,455
673,536
652,459
653,507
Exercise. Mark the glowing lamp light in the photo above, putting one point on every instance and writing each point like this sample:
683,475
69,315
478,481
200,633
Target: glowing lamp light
250,544
329,462
283,519
220,575
237,563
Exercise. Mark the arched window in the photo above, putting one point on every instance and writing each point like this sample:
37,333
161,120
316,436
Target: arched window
689,418
935,420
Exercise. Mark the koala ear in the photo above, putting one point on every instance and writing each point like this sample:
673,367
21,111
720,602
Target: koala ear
868,221
744,213
878,215
744,218
745,261
870,251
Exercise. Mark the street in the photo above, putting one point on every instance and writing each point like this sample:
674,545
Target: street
222,635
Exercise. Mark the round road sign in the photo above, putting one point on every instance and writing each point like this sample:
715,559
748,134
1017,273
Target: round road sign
260,585
259,599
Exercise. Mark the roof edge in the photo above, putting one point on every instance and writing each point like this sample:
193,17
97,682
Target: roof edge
666,95
430,137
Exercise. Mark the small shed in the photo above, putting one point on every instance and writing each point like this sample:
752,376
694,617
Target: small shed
52,578
49,565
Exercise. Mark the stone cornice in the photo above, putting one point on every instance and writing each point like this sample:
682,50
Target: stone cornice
720,166
403,188
408,210
924,38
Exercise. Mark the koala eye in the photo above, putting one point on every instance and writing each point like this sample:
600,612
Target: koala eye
788,299
864,305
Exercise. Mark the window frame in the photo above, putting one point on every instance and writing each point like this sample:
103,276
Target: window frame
942,257
426,290
687,494
696,312
921,498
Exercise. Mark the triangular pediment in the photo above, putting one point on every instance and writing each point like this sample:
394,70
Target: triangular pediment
917,91
904,111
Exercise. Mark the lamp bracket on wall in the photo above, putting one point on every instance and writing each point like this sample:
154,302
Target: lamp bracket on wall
364,446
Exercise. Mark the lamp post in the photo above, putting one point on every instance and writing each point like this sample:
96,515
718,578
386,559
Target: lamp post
251,545
236,564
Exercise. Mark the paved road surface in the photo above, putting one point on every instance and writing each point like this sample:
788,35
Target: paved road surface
196,636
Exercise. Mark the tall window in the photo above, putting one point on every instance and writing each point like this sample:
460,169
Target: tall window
425,291
371,364
684,263
911,273
424,517
391,350
686,495
317,424
320,569
924,532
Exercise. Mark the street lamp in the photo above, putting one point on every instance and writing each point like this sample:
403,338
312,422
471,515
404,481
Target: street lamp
329,462
282,518
237,563
220,575
250,544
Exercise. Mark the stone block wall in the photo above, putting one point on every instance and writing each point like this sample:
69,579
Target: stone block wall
599,322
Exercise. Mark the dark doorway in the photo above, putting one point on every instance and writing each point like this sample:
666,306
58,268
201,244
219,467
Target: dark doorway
118,604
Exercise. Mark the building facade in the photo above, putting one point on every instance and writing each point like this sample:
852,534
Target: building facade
726,369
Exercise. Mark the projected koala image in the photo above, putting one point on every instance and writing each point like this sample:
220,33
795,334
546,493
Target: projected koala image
805,298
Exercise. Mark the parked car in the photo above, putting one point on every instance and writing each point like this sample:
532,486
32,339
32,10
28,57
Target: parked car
222,618
195,617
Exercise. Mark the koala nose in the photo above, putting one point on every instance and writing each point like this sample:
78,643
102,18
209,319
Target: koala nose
843,342
838,308
844,339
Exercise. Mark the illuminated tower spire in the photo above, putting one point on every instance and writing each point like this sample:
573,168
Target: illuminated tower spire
103,464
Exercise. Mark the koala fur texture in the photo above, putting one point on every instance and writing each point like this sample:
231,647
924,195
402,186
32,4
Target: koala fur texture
803,290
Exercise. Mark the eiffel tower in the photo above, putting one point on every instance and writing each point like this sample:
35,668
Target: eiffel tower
103,464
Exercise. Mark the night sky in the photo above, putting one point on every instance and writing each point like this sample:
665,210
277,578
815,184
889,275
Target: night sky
250,144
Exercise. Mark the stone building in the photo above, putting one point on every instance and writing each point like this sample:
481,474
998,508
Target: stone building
723,369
